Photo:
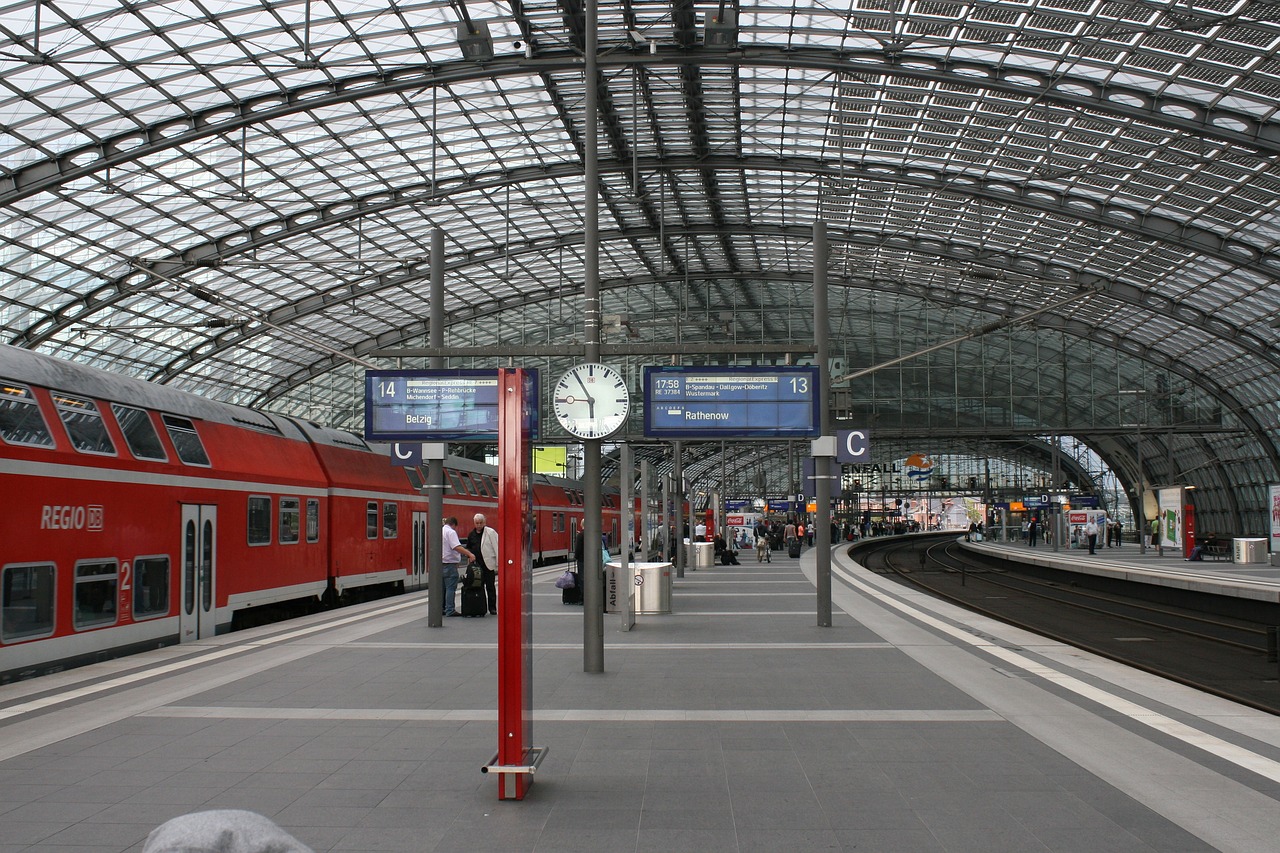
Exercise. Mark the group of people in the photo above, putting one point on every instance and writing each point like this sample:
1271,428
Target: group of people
1108,531
480,550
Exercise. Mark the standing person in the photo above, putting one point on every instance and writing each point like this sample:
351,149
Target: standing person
1033,531
1091,531
451,553
1119,533
483,542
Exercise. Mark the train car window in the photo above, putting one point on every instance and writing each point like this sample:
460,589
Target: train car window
313,519
189,569
454,482
290,520
84,424
371,520
139,433
26,602
185,440
150,587
259,520
415,477
95,593
390,520
488,487
20,418
469,483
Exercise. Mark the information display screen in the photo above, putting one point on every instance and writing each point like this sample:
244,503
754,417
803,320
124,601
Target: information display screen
730,402
434,405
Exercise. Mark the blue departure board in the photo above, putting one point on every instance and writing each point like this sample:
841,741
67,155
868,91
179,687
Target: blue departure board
730,402
433,405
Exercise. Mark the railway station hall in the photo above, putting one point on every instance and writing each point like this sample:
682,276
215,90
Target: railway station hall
842,425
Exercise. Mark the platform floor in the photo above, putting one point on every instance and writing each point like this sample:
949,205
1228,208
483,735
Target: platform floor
734,724
1219,577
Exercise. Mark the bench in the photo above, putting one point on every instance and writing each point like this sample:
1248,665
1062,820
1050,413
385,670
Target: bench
1215,551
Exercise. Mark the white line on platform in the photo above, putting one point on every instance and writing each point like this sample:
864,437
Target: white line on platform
464,715
621,647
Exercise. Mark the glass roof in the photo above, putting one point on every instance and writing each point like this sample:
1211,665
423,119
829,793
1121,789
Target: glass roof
237,197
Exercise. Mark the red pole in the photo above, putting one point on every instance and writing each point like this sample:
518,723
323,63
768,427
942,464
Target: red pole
515,583
1189,528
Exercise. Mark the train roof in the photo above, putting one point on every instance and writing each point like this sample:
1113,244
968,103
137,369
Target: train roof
33,368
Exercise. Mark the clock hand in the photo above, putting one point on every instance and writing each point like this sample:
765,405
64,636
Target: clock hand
591,401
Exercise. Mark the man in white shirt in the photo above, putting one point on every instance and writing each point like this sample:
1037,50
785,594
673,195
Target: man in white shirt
1091,530
451,553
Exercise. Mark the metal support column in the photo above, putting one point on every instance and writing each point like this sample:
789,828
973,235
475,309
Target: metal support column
822,464
593,571
435,468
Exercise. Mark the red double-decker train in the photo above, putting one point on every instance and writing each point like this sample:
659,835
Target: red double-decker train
136,515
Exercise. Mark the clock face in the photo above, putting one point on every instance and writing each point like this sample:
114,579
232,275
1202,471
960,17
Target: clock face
591,401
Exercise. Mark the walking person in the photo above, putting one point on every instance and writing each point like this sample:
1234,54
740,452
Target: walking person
483,542
451,553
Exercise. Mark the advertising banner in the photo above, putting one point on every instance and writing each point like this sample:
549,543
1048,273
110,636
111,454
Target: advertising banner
1170,503
1273,503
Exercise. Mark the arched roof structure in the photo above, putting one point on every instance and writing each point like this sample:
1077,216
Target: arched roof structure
235,198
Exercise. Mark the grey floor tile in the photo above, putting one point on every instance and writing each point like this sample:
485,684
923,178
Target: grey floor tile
686,841
801,840
889,841
688,818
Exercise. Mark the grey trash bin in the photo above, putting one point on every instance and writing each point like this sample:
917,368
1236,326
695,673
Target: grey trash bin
1249,550
704,555
652,583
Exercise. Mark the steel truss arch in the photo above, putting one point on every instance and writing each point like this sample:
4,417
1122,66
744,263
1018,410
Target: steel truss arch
952,252
1073,328
1148,228
1129,103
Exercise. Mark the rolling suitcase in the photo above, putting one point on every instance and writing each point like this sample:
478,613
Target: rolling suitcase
474,602
793,549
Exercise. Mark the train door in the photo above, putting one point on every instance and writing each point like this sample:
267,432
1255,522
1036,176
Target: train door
419,578
199,560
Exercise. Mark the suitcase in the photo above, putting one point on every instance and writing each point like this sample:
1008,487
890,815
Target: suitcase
474,602
572,595
793,549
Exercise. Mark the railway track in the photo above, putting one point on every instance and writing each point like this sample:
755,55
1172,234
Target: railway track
1212,643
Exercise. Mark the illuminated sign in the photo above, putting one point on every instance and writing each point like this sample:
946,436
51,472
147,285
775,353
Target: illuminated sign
731,402
433,405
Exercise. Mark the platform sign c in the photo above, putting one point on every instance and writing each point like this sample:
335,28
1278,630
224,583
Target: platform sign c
406,454
853,446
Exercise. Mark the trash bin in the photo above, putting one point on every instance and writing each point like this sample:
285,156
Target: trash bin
704,555
615,586
652,583
1249,550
